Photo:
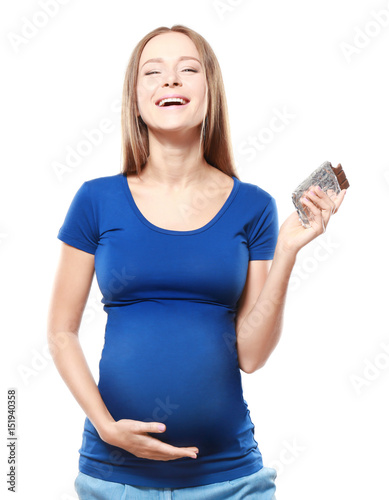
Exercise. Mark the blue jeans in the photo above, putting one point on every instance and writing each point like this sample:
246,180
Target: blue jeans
257,486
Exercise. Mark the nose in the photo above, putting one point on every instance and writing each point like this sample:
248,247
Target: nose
174,84
172,79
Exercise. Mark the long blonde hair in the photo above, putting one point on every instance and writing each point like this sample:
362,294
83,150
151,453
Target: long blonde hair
215,138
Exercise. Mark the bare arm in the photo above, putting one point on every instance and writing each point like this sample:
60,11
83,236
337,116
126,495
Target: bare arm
70,292
260,319
258,331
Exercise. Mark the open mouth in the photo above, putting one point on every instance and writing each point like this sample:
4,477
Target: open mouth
172,102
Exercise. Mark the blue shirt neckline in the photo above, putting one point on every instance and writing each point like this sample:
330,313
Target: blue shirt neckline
143,219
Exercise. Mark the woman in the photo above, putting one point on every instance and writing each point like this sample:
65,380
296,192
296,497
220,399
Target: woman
182,251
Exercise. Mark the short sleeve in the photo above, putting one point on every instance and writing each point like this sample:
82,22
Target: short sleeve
79,228
262,239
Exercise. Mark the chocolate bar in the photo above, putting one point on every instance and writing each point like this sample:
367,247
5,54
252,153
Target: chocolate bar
330,179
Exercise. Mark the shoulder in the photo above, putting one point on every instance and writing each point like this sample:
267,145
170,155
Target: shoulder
106,180
255,195
103,185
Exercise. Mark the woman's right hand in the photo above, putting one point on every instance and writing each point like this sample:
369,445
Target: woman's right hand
132,436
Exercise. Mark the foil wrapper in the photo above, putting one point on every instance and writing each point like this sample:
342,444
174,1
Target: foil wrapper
331,180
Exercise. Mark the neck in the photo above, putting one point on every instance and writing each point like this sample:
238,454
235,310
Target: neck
175,159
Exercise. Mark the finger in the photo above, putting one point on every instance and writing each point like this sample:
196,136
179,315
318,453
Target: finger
339,199
154,427
326,203
312,207
316,212
167,451
323,203
151,427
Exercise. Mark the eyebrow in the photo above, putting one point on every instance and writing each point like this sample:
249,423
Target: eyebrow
159,59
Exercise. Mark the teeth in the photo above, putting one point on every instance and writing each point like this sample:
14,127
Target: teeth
172,99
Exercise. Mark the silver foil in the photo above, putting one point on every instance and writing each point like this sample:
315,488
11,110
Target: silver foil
323,177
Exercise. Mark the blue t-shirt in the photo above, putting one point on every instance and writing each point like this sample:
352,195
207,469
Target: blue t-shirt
169,350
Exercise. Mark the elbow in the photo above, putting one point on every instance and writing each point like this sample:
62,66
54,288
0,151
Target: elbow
253,367
250,364
59,339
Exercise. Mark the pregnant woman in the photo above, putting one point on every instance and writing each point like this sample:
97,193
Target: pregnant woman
193,270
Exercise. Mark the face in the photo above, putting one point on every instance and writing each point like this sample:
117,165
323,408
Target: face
171,75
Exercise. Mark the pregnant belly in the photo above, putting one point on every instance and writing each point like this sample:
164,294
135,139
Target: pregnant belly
178,370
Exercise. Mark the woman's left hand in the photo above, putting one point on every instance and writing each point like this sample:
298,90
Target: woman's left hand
293,235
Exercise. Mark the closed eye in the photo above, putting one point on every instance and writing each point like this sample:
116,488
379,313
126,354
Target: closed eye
187,69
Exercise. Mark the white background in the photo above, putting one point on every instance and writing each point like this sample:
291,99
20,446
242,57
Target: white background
319,406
